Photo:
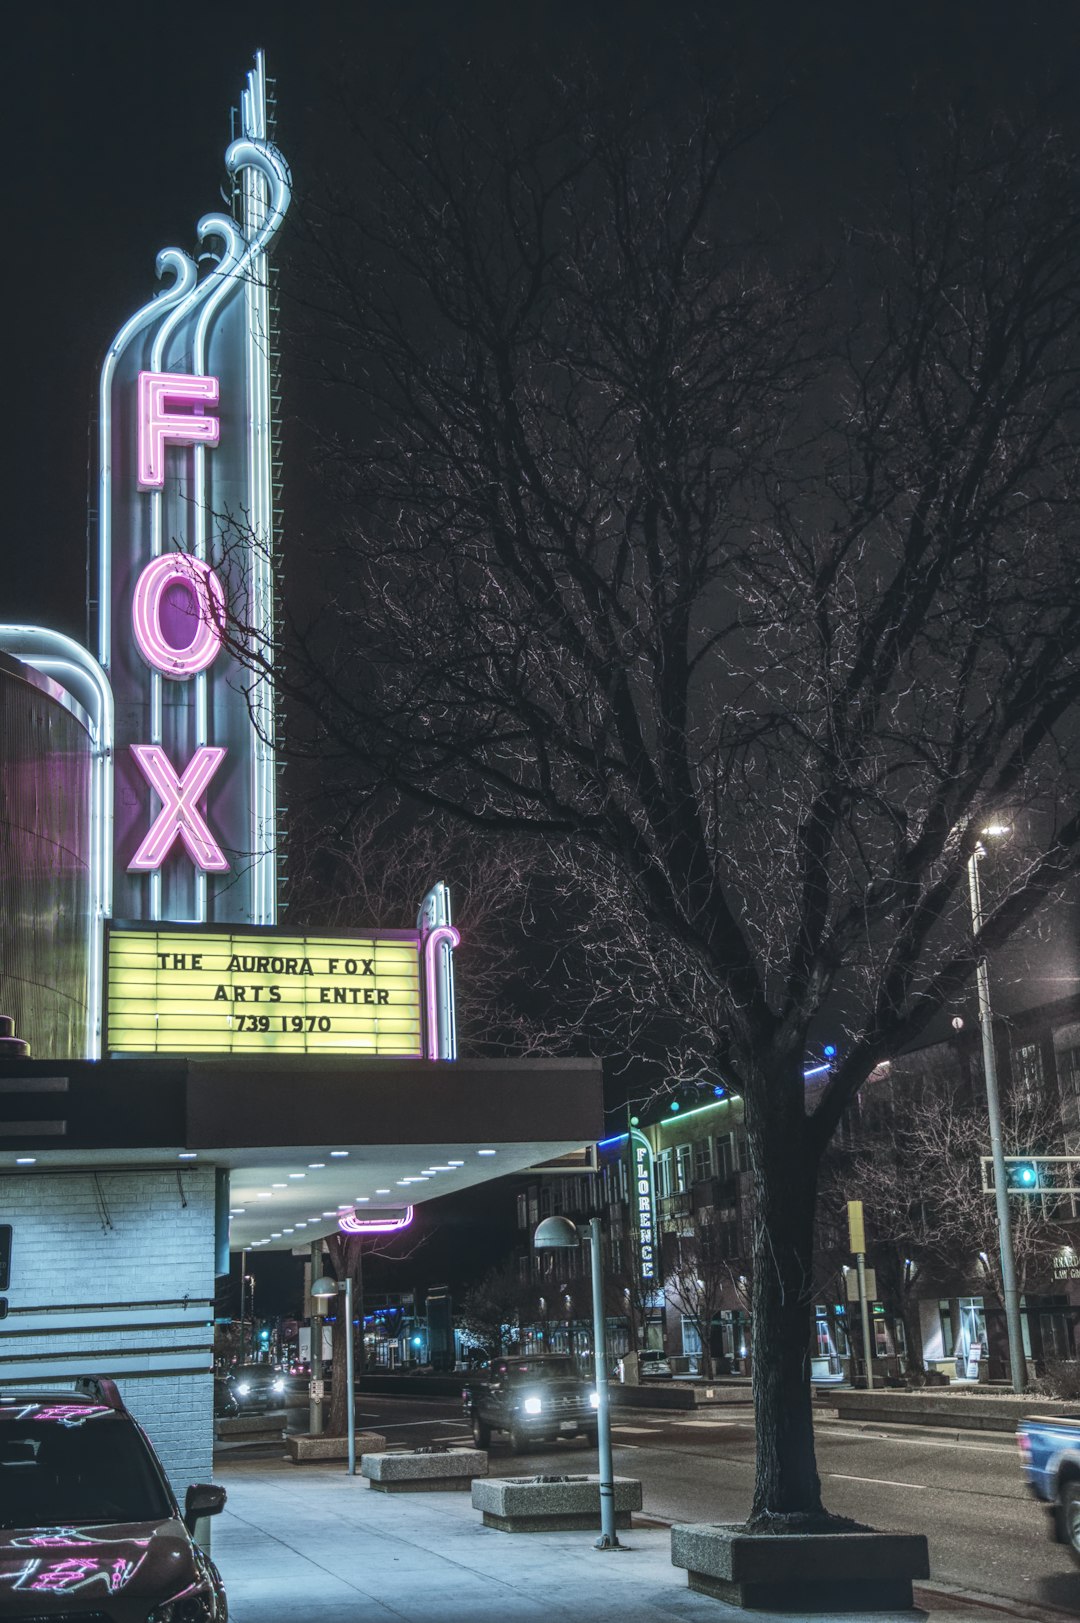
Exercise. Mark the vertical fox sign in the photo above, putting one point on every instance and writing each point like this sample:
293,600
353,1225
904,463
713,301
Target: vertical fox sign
185,529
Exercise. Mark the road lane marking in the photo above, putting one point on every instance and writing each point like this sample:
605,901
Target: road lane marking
881,1481
636,1431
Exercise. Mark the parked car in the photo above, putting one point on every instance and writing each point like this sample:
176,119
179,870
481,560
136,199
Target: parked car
89,1526
225,1404
1050,1456
534,1399
257,1387
655,1369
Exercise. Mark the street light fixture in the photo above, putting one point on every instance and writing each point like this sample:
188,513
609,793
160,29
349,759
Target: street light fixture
1017,1365
559,1233
323,1288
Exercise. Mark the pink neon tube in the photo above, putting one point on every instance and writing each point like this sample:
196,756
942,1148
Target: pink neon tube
208,596
179,817
158,427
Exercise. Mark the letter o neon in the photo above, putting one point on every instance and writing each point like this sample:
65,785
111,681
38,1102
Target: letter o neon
150,588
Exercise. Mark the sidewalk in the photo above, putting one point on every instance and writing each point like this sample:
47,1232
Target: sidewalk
312,1545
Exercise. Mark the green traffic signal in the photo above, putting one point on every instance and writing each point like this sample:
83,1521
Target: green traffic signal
1023,1176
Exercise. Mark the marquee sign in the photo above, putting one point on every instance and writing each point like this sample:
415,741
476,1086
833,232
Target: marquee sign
643,1202
200,991
185,533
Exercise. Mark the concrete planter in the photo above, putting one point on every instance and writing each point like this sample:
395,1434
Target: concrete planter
957,1411
517,1504
251,1425
801,1572
456,1469
303,1448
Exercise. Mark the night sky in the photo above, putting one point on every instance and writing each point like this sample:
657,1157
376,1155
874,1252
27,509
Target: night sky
116,119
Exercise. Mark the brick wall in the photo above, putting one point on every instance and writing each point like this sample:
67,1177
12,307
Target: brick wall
114,1275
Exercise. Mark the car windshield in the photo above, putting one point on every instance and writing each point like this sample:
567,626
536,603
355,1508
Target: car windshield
65,1464
532,1369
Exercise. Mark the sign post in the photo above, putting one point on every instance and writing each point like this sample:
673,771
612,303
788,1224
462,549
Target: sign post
857,1241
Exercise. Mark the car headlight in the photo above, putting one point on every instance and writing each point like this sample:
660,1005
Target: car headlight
279,1386
193,1606
532,1405
594,1400
243,1389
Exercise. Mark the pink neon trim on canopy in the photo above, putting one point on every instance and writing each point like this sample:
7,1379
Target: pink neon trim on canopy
159,427
179,816
432,942
353,1223
208,612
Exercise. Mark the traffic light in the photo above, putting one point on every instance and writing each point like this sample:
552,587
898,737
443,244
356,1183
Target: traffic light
264,1336
1022,1177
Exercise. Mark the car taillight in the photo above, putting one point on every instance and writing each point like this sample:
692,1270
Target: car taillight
1023,1443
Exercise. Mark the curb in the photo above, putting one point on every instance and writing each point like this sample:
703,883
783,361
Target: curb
941,1599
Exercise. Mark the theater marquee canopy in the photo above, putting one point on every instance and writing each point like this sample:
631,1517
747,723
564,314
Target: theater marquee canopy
306,1144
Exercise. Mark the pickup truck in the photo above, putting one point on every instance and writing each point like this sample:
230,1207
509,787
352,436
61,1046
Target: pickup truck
534,1399
1050,1453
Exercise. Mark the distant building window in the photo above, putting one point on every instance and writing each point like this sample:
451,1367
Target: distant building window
703,1159
727,1157
545,1200
1027,1068
522,1210
662,1174
682,1168
1068,1061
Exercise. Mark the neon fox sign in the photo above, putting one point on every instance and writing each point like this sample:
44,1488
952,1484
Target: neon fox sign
185,517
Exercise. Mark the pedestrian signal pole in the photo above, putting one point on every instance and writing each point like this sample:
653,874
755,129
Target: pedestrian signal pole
857,1242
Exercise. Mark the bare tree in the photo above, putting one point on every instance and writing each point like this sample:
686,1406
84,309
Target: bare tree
751,599
700,1275
494,1311
347,1254
916,1163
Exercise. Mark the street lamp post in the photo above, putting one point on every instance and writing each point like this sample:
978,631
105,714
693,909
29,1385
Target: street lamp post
331,1287
560,1233
1017,1365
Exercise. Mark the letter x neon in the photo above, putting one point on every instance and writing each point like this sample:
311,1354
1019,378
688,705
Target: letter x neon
179,816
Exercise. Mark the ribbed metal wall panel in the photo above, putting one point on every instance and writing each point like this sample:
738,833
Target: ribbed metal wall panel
44,869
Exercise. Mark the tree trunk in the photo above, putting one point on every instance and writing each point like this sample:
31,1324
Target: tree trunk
345,1260
785,1188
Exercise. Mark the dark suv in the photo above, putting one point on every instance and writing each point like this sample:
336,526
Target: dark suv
89,1528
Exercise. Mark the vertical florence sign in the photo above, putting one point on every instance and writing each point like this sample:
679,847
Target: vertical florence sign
185,528
644,1204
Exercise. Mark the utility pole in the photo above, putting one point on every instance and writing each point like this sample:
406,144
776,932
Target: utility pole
1017,1362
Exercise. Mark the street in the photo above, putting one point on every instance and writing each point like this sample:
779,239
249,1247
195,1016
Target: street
987,1535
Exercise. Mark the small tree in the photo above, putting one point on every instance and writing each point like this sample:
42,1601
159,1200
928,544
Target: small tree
700,1274
494,1311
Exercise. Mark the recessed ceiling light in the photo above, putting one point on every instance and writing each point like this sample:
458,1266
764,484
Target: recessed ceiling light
406,1180
26,1160
329,1214
313,1166
382,1191
344,1208
455,1163
339,1153
264,1194
361,1199
276,1234
285,1185
238,1211
297,1174
188,1155
486,1152
301,1225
